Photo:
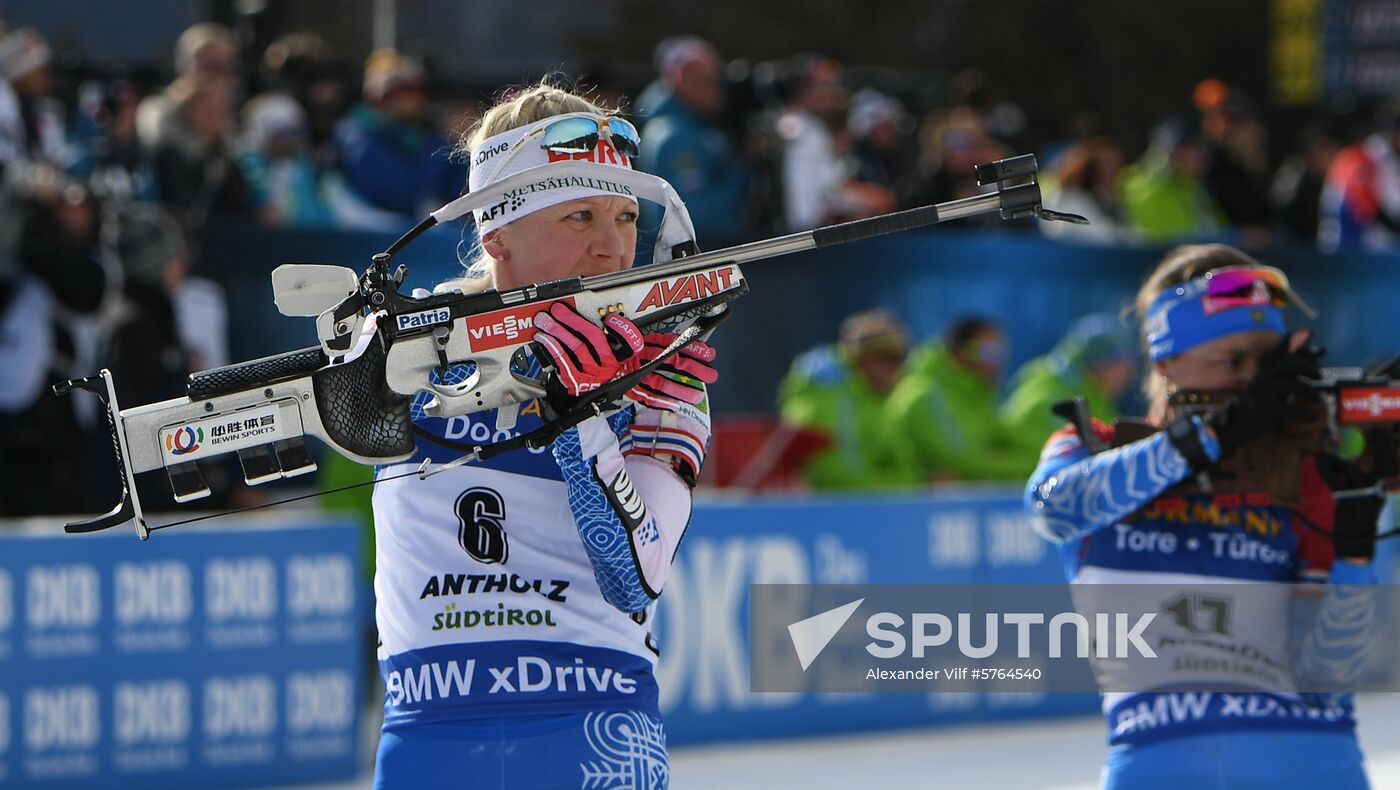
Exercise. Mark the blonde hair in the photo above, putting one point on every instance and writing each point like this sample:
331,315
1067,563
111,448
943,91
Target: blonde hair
514,108
1182,264
196,39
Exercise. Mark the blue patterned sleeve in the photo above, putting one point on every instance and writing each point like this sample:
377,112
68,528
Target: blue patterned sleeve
620,422
1338,627
631,513
1074,492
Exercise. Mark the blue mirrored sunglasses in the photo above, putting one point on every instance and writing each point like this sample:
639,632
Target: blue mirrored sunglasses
579,135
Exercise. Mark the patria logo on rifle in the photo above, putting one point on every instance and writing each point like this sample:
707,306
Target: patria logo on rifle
425,318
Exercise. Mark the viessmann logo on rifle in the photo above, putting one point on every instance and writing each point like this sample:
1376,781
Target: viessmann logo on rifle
501,328
1374,404
686,288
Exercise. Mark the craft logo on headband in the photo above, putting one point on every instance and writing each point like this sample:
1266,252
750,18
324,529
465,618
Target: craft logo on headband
515,199
530,146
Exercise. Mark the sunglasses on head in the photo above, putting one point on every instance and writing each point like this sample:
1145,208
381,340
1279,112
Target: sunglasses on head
572,135
1242,286
578,134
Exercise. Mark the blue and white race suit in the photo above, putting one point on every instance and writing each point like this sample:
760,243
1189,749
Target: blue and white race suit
514,600
1117,521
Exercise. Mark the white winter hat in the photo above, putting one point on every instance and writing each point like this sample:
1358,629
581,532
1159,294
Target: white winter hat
270,116
23,52
869,109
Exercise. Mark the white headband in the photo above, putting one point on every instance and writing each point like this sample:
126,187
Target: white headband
547,180
518,149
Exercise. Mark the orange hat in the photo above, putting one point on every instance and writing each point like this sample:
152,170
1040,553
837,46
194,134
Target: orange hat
386,71
873,333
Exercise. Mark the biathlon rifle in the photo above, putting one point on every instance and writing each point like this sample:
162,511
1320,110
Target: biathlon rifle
380,347
1353,398
1367,400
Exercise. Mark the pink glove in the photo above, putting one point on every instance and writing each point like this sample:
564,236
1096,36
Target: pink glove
579,351
680,379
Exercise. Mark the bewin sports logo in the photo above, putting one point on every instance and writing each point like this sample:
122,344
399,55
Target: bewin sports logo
184,440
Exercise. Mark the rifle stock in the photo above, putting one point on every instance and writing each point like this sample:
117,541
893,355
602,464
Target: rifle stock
259,411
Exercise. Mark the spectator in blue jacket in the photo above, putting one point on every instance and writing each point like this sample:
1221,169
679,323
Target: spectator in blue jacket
283,180
395,161
683,143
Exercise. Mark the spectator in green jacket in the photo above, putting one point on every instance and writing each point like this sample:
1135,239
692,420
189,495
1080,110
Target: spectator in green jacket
944,409
1163,194
1097,358
841,391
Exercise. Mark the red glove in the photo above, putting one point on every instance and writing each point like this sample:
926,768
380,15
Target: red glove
579,351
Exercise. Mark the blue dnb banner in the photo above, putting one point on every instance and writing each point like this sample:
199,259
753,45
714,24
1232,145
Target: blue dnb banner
197,659
971,536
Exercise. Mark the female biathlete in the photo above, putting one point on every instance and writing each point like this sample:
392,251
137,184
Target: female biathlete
514,597
1227,482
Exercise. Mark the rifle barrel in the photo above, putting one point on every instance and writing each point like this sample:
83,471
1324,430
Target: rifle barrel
806,240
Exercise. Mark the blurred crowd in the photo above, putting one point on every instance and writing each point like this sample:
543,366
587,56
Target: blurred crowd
284,141
815,147
105,186
874,411
107,181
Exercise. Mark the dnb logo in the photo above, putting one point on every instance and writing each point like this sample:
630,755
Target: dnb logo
184,440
